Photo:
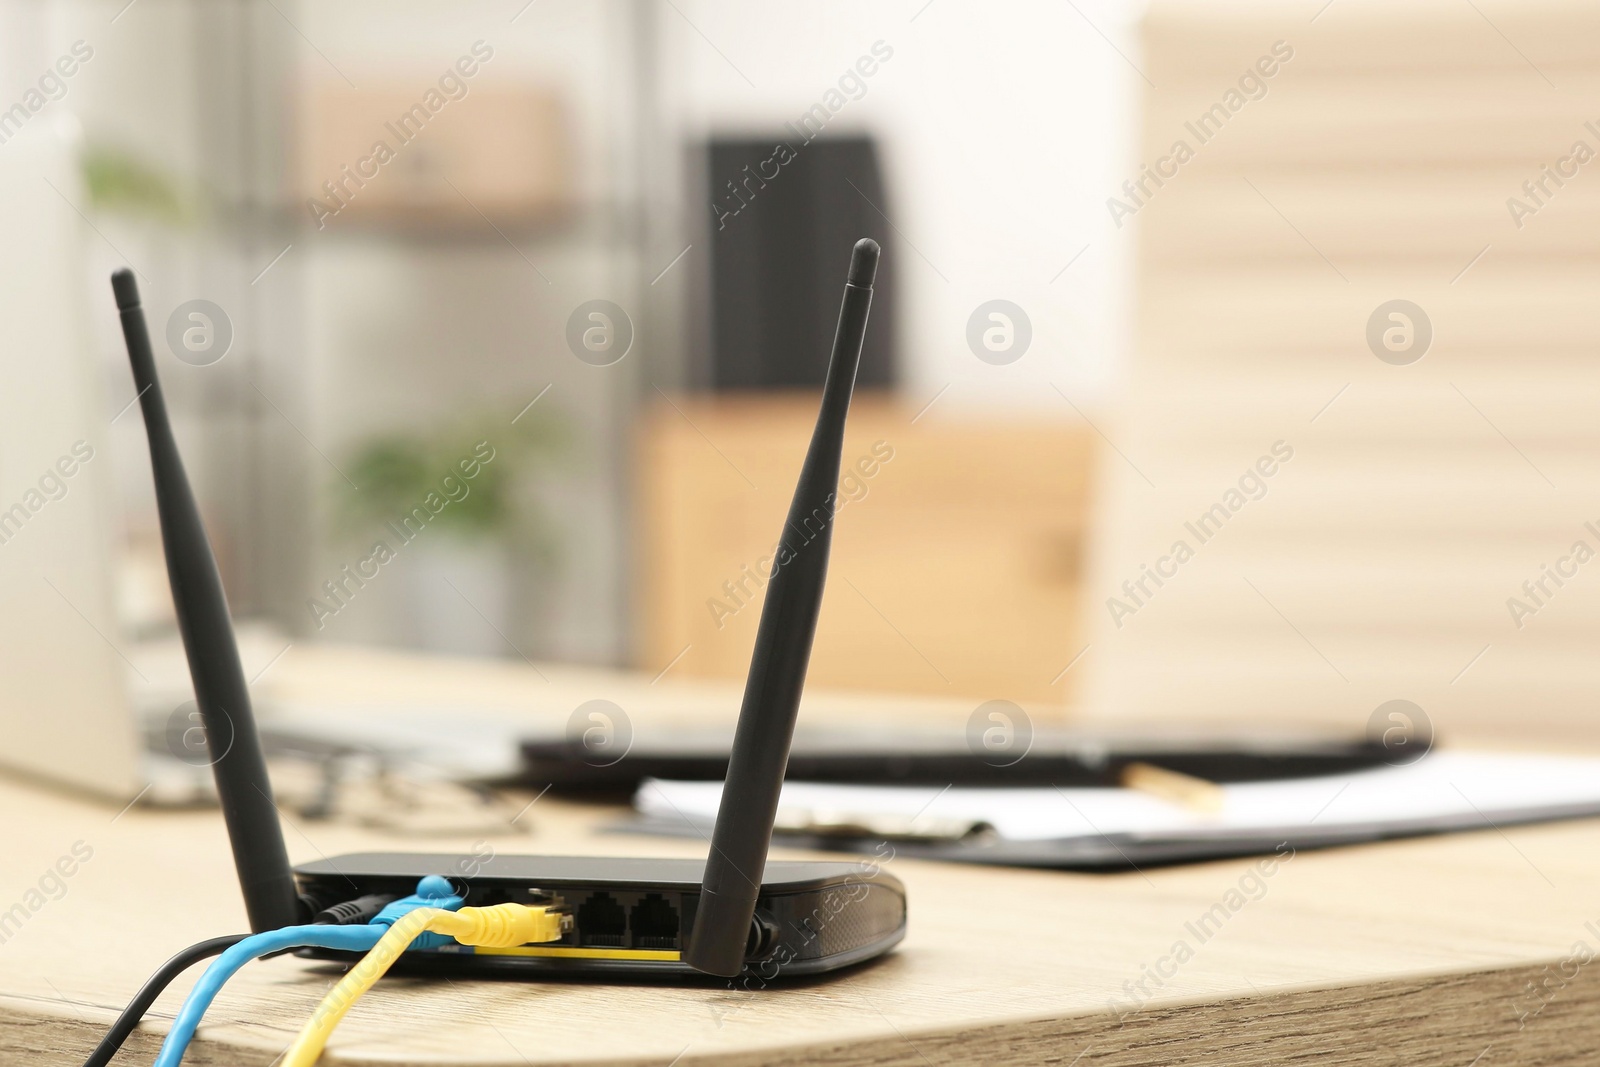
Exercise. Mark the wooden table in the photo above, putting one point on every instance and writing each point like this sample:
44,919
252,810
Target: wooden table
1415,952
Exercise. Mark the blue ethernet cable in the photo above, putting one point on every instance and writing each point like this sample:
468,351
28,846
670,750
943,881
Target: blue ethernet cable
432,892
344,913
348,938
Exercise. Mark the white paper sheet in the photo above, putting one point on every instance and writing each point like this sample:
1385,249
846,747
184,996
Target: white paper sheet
1455,789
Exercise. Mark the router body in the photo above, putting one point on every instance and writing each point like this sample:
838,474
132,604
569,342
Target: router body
732,915
633,917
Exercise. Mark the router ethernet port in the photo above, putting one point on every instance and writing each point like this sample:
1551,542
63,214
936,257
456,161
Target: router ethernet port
602,922
655,923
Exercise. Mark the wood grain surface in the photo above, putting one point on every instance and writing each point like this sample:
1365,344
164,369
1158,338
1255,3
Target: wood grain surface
1411,952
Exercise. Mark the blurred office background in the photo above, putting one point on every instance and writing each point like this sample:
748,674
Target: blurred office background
1085,339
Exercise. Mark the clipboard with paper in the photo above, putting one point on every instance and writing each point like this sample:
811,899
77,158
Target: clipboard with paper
1117,828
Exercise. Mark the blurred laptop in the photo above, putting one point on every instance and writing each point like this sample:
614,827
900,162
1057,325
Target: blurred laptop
63,698
80,705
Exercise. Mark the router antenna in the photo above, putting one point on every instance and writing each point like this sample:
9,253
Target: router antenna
738,857
219,686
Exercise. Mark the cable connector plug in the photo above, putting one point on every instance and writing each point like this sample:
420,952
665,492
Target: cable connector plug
503,925
433,891
349,912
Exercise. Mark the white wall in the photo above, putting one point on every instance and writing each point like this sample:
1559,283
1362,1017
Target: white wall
1004,128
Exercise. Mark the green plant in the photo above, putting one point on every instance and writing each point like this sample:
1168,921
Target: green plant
119,182
477,484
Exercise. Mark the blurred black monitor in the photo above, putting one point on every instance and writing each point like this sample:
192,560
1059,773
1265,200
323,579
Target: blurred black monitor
785,213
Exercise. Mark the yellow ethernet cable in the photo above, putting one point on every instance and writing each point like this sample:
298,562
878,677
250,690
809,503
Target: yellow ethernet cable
500,926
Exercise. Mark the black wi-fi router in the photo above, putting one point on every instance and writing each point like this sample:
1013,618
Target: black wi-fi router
733,914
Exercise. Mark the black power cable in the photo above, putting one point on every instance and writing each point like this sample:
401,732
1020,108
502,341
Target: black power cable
359,910
128,1021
